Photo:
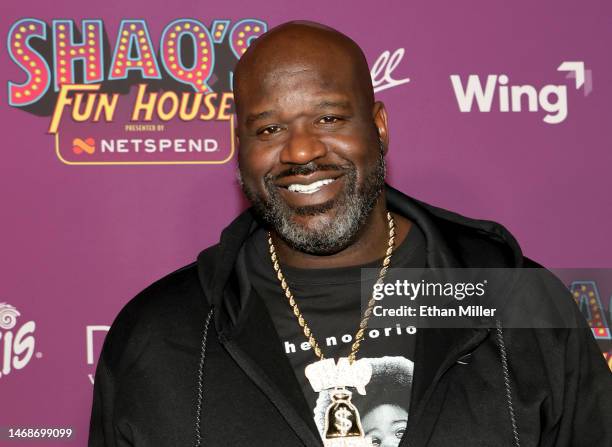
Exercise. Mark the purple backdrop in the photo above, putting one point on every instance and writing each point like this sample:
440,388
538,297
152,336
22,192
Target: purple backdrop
78,241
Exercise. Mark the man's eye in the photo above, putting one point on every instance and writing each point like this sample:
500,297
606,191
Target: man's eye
399,433
329,120
268,130
376,442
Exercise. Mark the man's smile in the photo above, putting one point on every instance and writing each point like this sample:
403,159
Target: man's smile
308,190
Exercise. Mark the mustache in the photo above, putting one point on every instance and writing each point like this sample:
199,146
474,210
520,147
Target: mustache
307,169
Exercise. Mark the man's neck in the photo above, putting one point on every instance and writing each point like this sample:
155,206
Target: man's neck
370,244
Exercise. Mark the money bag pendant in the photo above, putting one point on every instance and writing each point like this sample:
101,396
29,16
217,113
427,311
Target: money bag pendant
342,418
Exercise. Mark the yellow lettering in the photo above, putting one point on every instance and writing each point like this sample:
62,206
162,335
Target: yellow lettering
141,105
106,106
209,106
224,106
63,101
188,116
163,115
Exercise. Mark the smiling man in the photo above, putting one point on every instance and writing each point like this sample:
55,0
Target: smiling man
263,340
312,144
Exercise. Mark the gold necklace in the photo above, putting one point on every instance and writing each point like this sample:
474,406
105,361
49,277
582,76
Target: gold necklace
342,421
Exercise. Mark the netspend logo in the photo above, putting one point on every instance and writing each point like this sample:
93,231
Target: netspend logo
16,342
496,91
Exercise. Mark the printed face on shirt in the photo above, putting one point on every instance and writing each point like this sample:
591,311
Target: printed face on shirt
311,160
385,425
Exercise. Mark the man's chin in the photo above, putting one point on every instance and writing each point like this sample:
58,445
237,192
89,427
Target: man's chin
324,209
318,234
314,224
314,242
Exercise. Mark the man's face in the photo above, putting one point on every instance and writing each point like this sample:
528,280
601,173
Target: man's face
310,158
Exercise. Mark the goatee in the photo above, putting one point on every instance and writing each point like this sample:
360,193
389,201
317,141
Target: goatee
324,235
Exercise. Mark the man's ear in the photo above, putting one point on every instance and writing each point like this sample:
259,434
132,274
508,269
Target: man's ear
379,113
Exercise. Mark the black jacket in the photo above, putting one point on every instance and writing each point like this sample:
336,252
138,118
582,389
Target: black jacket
173,372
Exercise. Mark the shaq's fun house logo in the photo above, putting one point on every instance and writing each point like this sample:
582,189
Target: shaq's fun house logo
134,99
16,342
137,98
497,92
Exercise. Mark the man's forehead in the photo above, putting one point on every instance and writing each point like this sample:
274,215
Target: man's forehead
297,59
300,75
310,85
293,64
302,96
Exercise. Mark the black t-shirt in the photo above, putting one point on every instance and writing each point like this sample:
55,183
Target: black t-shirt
330,301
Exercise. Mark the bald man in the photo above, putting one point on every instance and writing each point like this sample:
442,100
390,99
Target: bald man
263,340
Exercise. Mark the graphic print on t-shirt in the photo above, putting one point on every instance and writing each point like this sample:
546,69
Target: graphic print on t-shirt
330,301
382,415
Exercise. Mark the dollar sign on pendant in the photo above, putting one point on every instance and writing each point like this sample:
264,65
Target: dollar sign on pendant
342,418
343,422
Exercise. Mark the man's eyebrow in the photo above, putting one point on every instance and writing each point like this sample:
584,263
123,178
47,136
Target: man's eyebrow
252,117
334,104
326,104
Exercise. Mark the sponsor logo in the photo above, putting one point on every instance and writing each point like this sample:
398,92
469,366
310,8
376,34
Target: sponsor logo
383,68
16,342
131,97
495,91
94,338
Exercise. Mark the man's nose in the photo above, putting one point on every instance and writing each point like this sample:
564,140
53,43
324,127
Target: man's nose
302,147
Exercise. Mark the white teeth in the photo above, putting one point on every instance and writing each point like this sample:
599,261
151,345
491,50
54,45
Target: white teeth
311,188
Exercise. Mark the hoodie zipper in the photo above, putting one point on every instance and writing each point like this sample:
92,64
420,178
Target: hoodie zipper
200,384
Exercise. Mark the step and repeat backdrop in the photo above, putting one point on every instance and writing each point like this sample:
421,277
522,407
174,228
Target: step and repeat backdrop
118,162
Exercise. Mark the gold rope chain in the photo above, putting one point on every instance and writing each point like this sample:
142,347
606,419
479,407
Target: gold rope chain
366,314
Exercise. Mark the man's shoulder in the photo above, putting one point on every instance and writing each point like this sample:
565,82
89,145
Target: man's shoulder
173,304
177,290
457,240
532,293
477,242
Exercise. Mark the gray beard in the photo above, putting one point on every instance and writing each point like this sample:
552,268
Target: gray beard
324,235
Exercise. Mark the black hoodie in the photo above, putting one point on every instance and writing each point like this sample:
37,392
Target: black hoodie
195,359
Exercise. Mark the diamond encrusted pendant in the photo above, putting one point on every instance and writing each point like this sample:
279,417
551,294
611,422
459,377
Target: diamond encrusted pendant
341,417
327,374
342,422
